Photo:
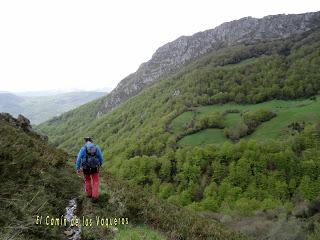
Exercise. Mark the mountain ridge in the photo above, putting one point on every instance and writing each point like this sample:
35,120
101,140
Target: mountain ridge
173,55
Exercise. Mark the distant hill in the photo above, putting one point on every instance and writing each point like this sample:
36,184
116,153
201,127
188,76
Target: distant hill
41,93
10,103
39,108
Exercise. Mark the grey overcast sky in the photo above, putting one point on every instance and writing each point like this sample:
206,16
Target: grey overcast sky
75,44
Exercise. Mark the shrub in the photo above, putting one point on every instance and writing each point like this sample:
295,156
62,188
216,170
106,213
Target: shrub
212,120
166,190
245,206
308,188
210,203
236,132
211,190
255,118
270,203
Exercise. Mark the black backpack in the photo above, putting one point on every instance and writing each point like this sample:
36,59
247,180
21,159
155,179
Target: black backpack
90,162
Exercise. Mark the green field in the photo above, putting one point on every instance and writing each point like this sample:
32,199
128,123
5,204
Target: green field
277,128
232,119
179,122
207,136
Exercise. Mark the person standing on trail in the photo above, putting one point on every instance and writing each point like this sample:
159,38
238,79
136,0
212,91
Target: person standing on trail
90,159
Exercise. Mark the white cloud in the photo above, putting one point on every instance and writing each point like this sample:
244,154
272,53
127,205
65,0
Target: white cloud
94,44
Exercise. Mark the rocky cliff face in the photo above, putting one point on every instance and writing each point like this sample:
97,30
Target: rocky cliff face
170,57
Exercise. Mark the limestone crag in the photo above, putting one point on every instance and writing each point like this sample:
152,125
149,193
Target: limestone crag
173,55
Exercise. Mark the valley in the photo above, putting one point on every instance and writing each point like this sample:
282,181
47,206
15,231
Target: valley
217,136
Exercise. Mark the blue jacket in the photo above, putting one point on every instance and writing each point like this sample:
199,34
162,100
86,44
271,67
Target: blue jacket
82,154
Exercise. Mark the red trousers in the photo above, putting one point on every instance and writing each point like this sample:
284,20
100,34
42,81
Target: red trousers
91,184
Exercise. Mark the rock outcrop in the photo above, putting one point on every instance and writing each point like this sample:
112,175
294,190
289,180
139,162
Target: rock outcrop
23,123
173,55
20,122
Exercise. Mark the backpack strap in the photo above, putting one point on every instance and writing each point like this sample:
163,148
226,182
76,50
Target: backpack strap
86,152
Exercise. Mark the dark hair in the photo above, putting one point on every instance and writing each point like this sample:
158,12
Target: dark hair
88,139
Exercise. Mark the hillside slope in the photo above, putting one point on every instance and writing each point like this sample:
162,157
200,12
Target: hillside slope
242,74
220,42
172,56
191,129
154,215
35,180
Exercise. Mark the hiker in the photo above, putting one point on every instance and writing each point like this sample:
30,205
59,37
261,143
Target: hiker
90,158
